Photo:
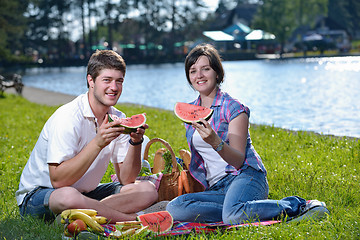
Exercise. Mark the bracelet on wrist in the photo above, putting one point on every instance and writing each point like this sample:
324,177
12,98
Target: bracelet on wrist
220,146
136,143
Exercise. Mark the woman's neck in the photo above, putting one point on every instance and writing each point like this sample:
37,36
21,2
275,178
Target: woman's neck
207,99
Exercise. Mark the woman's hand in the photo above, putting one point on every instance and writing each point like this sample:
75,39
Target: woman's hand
234,152
207,133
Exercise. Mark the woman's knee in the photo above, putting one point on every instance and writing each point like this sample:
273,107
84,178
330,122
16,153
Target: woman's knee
235,215
173,207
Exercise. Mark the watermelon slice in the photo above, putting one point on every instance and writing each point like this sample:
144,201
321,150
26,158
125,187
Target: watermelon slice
131,123
158,222
189,112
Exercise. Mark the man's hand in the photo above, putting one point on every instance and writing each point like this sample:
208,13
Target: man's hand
139,134
107,132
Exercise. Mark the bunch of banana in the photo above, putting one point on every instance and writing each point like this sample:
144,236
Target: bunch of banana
89,216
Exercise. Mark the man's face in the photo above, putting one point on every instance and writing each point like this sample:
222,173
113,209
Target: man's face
107,87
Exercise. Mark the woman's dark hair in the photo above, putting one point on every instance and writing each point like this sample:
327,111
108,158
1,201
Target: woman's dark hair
212,54
104,59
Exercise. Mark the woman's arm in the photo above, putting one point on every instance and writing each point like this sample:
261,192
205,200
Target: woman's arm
234,152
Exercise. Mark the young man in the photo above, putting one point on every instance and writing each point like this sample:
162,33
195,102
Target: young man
74,149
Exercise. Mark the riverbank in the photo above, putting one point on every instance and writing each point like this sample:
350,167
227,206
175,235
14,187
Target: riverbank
50,98
40,96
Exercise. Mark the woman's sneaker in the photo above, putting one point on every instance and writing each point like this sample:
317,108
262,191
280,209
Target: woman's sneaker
314,210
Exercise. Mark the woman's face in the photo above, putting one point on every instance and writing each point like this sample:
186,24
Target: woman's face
202,76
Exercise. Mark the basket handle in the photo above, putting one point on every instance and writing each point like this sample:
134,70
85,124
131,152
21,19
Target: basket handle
167,145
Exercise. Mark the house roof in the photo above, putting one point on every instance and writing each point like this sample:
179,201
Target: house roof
218,36
258,34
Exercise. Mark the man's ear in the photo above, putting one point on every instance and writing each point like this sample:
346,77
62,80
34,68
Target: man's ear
90,81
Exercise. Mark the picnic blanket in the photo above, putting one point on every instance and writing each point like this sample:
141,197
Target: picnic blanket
183,228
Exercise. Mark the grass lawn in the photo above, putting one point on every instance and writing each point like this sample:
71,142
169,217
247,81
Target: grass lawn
306,164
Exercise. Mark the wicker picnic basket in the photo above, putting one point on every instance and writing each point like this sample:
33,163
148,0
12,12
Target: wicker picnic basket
169,183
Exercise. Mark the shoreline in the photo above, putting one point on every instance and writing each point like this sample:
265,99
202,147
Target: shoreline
41,96
49,98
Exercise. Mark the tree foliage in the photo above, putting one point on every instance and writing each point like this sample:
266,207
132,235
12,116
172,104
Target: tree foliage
282,17
62,29
12,26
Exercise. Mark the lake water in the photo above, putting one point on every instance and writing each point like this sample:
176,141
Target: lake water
312,94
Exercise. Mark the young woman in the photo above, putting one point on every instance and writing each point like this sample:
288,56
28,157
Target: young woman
223,158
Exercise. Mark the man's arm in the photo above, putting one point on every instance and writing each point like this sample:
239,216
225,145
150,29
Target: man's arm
70,171
129,169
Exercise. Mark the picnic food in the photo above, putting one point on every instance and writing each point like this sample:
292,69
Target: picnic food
128,228
180,186
185,181
90,212
70,215
76,226
159,162
131,123
189,112
158,222
185,155
100,219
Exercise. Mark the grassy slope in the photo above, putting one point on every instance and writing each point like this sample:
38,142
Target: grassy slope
299,163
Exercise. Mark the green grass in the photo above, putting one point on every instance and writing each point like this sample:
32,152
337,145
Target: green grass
306,164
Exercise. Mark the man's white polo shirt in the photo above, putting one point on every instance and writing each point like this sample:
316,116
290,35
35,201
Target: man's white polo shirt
63,136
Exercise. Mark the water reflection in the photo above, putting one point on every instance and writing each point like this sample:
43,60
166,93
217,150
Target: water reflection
317,94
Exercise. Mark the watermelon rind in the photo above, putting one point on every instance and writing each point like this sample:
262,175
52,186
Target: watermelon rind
128,129
189,121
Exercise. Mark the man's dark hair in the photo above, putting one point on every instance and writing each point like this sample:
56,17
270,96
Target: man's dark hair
104,59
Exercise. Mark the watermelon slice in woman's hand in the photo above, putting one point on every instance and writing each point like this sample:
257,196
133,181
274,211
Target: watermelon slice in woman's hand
189,112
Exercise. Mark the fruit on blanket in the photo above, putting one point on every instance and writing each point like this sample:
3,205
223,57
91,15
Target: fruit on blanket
100,219
189,112
127,228
76,226
121,234
131,124
123,226
70,215
158,222
90,212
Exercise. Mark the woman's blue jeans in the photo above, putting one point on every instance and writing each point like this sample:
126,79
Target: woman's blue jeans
234,200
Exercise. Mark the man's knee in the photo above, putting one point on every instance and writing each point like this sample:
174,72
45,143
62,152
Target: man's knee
150,190
140,187
65,198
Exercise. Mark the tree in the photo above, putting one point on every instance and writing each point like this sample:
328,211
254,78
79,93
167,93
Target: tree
345,13
282,17
168,17
12,26
48,26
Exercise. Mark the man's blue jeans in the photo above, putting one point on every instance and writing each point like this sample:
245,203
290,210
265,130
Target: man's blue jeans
234,200
36,202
